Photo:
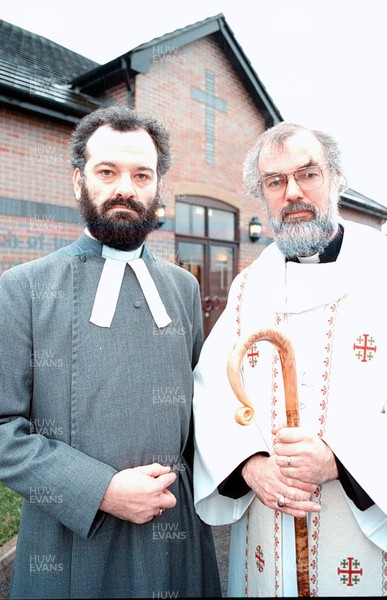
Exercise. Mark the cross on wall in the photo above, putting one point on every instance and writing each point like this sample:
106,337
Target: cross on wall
212,103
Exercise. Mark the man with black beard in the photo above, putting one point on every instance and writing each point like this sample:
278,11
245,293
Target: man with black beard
318,284
108,507
120,232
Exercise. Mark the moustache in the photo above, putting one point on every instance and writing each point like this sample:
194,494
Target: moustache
297,208
127,203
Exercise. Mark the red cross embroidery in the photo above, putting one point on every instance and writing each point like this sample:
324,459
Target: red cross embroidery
253,355
349,574
259,559
366,346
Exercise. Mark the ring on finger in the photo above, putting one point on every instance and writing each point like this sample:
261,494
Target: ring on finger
161,512
281,502
289,463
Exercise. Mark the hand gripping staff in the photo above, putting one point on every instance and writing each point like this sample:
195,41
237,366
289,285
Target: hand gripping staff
245,416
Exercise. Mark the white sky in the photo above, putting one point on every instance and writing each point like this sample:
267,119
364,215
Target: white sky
322,62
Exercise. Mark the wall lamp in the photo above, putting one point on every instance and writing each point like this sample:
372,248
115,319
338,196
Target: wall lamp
255,229
160,214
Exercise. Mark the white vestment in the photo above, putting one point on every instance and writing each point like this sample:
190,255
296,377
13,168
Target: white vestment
335,315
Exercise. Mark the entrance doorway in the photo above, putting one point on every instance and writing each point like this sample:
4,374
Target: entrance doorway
206,246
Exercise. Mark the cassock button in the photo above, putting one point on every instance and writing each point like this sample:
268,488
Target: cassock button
137,304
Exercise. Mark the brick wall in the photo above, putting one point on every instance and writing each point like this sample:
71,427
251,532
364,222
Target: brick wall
35,187
34,158
35,163
166,91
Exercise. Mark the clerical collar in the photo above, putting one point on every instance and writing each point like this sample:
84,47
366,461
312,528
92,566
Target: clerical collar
330,253
110,282
126,255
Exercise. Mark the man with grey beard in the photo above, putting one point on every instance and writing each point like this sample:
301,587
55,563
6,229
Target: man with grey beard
318,285
108,506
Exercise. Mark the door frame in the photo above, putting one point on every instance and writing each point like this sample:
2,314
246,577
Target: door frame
208,304
206,241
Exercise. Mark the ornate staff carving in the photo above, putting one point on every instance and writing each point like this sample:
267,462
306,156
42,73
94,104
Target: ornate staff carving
245,416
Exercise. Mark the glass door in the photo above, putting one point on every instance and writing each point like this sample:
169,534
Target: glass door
220,276
213,265
190,256
206,245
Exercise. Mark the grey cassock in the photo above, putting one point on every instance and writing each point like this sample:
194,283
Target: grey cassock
79,402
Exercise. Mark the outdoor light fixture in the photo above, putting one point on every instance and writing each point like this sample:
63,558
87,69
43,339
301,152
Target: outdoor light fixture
160,213
255,229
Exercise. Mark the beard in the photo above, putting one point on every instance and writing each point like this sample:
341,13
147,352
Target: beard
304,238
122,230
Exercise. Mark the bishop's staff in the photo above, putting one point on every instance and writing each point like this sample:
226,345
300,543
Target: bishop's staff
245,416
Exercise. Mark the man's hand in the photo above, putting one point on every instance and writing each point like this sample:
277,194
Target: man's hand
264,477
302,456
138,494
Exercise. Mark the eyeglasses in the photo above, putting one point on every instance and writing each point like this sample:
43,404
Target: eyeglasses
308,178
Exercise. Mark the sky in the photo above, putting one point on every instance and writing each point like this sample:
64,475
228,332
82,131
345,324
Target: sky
323,62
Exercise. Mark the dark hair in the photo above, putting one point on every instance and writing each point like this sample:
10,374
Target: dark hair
120,118
277,136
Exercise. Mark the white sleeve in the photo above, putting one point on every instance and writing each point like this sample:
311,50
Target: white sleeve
372,522
361,447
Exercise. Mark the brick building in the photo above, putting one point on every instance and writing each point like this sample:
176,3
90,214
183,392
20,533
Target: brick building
198,81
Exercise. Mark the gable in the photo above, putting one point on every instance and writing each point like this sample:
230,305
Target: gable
140,60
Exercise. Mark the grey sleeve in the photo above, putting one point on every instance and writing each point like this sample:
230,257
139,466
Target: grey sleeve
31,462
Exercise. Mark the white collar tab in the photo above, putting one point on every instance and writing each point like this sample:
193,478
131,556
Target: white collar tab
110,282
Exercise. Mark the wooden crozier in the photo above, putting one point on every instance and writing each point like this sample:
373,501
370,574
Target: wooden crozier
245,416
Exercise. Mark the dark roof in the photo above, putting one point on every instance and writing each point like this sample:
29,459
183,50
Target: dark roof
36,74
138,60
40,75
352,199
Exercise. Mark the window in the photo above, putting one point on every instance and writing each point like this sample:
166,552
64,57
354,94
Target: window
206,245
206,220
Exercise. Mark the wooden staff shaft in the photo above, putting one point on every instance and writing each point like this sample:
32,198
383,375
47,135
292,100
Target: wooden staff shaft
245,416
